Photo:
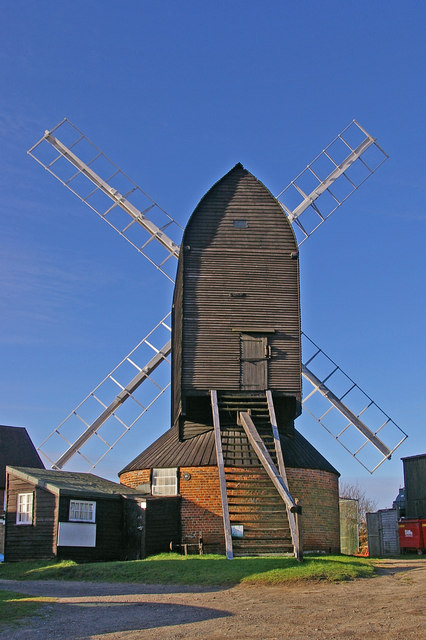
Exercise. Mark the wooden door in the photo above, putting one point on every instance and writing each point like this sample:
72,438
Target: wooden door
254,362
134,529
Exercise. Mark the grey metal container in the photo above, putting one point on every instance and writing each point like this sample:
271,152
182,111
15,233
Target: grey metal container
382,532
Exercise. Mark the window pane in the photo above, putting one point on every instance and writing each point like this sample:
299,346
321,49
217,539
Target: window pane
24,508
82,510
164,482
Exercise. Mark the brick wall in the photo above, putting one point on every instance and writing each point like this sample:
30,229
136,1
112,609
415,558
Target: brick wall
135,478
201,510
318,492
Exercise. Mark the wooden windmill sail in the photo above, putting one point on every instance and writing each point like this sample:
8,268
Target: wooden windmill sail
307,202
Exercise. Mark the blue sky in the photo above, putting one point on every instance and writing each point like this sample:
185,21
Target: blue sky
176,93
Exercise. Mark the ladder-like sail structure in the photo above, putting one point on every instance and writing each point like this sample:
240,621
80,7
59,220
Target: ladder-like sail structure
102,416
88,173
308,201
334,175
350,416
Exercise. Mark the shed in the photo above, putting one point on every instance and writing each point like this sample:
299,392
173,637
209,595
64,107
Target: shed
349,534
415,486
82,517
382,531
16,448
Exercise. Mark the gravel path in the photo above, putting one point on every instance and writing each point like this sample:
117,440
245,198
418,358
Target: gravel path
390,606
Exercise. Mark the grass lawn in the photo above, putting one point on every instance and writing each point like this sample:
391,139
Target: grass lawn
15,606
171,568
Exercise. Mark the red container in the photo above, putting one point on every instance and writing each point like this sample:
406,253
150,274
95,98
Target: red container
423,523
411,534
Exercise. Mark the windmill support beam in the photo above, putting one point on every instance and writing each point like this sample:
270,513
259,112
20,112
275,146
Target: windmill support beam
114,195
281,468
118,400
345,411
222,479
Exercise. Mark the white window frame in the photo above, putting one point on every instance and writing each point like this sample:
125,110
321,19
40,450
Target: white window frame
24,508
83,511
164,482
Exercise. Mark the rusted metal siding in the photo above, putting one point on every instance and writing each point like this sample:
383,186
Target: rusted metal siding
238,273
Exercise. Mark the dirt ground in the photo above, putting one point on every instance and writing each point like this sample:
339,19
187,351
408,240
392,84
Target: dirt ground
391,606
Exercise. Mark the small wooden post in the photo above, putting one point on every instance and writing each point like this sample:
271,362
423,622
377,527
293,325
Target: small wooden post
298,516
185,549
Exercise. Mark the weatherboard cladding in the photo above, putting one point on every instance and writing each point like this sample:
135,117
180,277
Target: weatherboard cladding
199,451
415,485
24,542
233,280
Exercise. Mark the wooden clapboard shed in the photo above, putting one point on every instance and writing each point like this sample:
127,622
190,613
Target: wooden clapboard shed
236,382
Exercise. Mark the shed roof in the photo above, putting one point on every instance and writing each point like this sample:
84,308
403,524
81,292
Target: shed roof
199,451
72,483
16,448
419,456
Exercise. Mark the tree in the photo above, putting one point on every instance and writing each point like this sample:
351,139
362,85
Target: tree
354,491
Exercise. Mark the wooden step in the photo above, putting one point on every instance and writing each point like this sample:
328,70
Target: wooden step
253,500
263,550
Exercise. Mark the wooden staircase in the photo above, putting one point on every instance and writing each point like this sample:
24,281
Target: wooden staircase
255,504
253,501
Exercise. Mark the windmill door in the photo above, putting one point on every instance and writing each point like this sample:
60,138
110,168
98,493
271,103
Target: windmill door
254,361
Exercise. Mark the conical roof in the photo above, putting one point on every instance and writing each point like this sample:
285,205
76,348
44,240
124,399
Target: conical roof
199,451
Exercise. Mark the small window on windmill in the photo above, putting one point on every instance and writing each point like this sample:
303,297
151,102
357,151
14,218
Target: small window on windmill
240,224
164,482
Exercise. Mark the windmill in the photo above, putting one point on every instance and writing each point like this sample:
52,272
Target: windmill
333,398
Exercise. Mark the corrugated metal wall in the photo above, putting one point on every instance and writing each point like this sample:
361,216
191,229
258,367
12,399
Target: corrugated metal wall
238,273
382,531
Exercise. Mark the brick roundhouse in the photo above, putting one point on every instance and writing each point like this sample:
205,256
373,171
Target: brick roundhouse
236,384
311,479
